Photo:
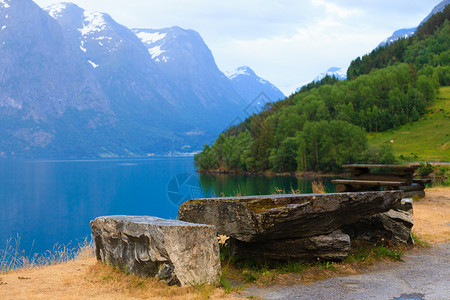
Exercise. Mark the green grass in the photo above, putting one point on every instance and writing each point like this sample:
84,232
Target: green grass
420,242
425,140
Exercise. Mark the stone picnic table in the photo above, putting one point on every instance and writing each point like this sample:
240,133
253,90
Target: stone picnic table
369,177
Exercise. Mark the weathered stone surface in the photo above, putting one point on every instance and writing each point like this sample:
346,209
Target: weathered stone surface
258,218
405,205
414,194
334,246
414,190
173,251
394,225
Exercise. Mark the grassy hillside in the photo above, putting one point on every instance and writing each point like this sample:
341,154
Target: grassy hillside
425,140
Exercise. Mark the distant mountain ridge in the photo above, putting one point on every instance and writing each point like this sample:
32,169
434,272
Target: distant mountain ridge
399,34
338,73
249,85
406,33
90,87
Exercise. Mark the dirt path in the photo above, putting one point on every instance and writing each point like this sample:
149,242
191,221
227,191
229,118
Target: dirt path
432,216
424,274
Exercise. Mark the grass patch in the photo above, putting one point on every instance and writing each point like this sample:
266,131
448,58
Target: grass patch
425,140
366,254
246,271
12,257
420,242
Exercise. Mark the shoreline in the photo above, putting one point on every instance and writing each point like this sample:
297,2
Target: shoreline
296,174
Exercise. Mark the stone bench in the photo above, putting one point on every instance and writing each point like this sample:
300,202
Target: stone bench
176,252
284,227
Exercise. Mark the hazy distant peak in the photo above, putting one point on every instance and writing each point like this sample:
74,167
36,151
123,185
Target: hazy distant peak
339,73
398,34
241,71
406,33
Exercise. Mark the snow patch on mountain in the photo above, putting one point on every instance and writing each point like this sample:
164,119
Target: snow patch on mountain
93,64
10,102
154,40
241,71
56,10
94,22
149,37
155,51
5,3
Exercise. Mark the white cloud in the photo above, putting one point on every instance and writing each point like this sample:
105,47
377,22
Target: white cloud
332,8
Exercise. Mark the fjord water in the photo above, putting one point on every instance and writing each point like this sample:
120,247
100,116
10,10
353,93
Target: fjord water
51,202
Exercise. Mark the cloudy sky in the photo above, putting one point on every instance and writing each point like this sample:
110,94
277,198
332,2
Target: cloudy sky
288,42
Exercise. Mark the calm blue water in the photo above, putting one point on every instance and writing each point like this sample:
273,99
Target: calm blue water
50,202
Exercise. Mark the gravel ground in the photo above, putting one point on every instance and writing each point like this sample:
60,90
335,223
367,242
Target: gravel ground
424,275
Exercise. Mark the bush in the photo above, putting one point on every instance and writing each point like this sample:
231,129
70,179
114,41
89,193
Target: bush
425,170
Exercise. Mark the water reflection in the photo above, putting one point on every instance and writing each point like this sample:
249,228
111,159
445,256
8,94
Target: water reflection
246,185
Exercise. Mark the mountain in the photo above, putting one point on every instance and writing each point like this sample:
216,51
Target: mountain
250,86
332,72
339,73
402,33
43,84
438,8
406,33
182,57
121,64
78,84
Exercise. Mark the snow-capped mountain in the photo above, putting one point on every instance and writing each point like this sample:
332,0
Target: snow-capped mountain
339,73
43,84
336,72
402,33
406,33
91,87
148,89
183,58
250,86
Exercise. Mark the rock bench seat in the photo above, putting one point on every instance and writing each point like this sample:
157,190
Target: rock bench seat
272,217
173,251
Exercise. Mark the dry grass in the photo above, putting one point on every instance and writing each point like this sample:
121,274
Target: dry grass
318,187
12,257
76,274
432,216
85,278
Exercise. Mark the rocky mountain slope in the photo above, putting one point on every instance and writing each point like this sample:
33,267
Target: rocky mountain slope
78,84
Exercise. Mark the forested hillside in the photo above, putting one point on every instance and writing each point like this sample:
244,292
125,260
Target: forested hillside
325,124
